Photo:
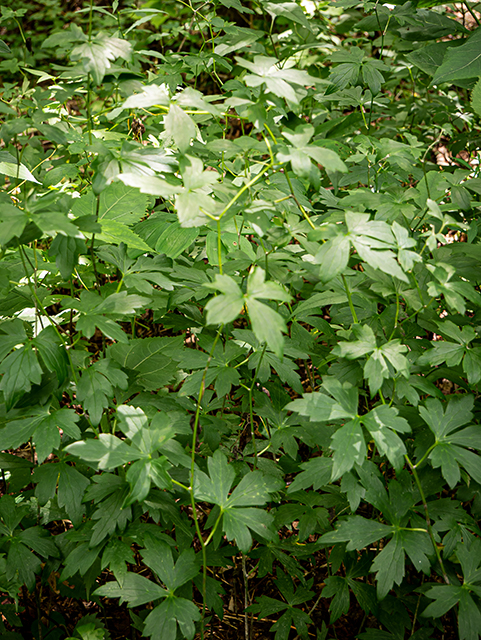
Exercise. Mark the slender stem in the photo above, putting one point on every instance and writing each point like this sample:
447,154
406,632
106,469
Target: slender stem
349,299
42,309
428,520
396,317
92,254
90,20
303,211
219,246
251,411
248,185
192,478
472,13
89,109
246,598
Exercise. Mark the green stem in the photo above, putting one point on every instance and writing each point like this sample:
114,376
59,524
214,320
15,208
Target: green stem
44,312
472,13
349,299
219,246
192,478
301,208
396,317
248,185
251,411
428,520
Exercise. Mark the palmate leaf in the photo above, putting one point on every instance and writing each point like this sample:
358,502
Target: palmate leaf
349,448
358,533
293,615
267,324
389,564
376,368
107,452
115,556
158,556
251,490
452,446
320,407
301,152
382,423
161,623
447,596
338,587
215,487
150,359
135,590
180,127
278,80
69,483
22,564
20,370
97,54
96,386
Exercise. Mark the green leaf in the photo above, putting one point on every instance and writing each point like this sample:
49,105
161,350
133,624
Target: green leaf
107,452
194,201
429,58
96,55
267,324
180,127
12,223
158,556
382,423
349,448
299,155
150,359
333,257
116,555
22,564
160,624
357,532
20,370
95,387
175,239
252,489
289,10
135,590
66,251
236,523
457,413
315,473
339,588
215,487
476,98
226,307
116,233
278,80
389,565
17,171
149,96
461,62
445,596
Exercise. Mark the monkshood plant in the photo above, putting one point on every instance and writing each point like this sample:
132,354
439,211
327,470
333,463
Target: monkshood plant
240,330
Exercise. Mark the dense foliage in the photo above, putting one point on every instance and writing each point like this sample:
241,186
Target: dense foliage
240,320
